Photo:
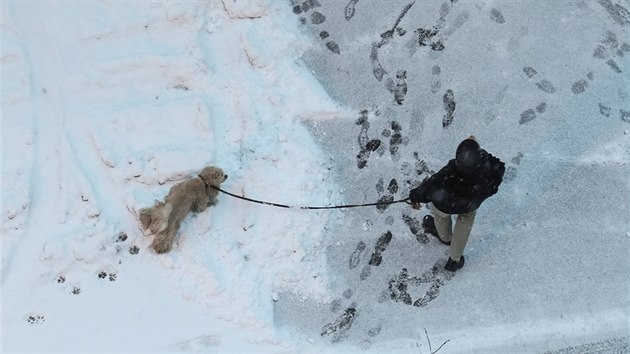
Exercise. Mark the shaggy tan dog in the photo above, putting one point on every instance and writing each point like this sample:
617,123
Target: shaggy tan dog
191,195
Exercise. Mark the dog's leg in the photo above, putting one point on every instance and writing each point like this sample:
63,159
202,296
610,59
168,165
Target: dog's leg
200,205
162,243
145,218
156,219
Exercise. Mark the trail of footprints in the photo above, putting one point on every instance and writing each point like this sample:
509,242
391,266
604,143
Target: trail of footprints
308,10
544,85
607,50
367,146
75,289
398,286
367,257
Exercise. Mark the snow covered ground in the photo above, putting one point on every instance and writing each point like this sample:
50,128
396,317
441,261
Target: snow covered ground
106,105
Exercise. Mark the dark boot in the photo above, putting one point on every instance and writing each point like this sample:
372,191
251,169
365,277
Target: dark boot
428,223
452,266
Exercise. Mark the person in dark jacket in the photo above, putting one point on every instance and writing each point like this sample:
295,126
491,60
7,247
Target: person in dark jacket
458,188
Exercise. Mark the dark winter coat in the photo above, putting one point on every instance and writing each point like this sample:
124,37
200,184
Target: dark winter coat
464,183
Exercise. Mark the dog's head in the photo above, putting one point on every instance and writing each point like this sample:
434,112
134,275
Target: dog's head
214,176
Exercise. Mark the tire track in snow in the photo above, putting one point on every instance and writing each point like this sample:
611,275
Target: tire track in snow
62,156
47,164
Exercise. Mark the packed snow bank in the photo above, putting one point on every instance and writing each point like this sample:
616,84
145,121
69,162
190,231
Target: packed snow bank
108,105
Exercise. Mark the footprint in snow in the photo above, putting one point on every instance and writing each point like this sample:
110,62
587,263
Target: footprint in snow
36,319
497,16
350,9
449,107
341,325
543,84
355,257
530,114
377,256
316,18
436,83
399,87
415,227
436,278
366,145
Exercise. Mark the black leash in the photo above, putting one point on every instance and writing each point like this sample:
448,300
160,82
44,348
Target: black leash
310,207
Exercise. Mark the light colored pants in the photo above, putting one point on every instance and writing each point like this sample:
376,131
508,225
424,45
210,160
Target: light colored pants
458,237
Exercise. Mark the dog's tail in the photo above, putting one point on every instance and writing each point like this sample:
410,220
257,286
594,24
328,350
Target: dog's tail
155,219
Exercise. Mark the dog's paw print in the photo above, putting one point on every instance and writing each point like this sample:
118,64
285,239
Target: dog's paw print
61,279
105,275
122,237
76,290
348,293
134,250
35,319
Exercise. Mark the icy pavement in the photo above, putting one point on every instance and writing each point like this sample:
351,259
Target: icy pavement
108,105
544,86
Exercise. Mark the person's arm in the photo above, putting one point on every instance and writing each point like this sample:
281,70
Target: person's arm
494,176
422,193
